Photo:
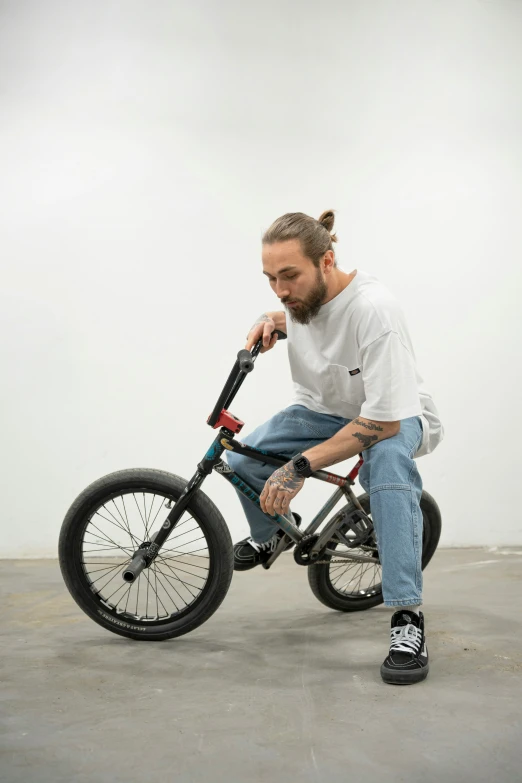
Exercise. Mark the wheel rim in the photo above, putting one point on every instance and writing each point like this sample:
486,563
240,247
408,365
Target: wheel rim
175,581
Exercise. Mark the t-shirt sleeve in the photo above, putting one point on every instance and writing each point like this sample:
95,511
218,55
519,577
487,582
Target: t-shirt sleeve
390,380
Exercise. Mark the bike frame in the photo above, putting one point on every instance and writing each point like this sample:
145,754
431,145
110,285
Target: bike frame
229,426
225,441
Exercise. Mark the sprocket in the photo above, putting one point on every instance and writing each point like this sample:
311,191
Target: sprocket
302,554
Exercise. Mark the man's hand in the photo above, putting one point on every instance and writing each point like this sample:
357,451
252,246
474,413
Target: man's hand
264,327
280,489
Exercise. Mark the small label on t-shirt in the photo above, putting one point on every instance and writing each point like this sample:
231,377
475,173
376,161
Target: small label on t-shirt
354,372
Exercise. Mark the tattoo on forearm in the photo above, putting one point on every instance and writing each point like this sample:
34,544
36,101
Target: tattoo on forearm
370,425
366,440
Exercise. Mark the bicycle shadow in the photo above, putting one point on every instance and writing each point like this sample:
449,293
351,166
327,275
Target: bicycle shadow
240,646
249,647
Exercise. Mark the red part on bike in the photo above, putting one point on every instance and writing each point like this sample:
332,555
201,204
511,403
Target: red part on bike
229,421
352,475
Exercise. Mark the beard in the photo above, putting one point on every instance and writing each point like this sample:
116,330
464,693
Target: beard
309,307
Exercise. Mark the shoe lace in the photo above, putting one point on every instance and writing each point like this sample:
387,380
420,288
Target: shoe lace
406,638
266,546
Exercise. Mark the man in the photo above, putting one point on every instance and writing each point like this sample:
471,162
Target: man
357,389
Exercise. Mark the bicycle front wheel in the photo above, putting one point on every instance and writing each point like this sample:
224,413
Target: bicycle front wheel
183,586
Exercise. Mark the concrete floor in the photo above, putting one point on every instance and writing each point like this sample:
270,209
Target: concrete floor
274,687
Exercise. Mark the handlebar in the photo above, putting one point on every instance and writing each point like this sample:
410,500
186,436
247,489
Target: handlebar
244,365
245,360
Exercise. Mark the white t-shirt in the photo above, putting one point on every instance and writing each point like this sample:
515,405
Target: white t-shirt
355,358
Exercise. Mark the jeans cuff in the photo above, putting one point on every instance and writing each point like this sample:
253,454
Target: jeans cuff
405,602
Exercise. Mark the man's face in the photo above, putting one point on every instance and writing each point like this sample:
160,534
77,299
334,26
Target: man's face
299,284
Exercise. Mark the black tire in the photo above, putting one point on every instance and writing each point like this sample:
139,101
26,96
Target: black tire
76,565
319,575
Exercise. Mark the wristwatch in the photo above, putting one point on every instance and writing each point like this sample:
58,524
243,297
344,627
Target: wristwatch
302,465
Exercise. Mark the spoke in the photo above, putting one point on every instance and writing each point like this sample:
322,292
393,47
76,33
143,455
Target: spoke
366,566
170,578
126,525
100,569
185,532
93,581
110,580
147,515
135,538
159,573
84,562
340,576
375,571
156,578
157,512
192,554
157,596
147,599
123,584
197,576
357,573
128,596
372,581
101,535
106,536
186,543
177,560
149,523
161,583
144,525
116,524
138,594
363,570
342,568
187,584
105,540
105,548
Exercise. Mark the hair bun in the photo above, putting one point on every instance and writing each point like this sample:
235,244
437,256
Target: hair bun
327,220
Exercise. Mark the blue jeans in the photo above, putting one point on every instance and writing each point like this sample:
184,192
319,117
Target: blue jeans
389,475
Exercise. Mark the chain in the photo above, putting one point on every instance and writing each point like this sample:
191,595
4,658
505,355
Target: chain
341,560
344,559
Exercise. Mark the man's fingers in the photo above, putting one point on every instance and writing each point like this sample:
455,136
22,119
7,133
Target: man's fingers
267,334
270,499
253,337
263,330
285,503
269,347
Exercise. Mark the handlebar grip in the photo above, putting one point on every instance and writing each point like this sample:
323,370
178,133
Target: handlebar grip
134,568
244,358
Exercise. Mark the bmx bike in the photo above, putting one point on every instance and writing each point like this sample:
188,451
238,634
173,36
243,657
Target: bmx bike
147,555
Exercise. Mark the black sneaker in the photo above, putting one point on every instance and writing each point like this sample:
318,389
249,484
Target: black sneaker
407,661
249,554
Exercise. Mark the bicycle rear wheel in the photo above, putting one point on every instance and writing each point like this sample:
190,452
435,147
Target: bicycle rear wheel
353,586
181,589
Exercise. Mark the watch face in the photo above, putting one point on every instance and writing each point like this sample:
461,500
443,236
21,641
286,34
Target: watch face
301,463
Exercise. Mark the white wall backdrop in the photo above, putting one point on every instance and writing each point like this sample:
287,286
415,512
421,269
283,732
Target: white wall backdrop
144,148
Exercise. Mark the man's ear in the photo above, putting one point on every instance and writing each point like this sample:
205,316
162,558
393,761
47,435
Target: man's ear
328,261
